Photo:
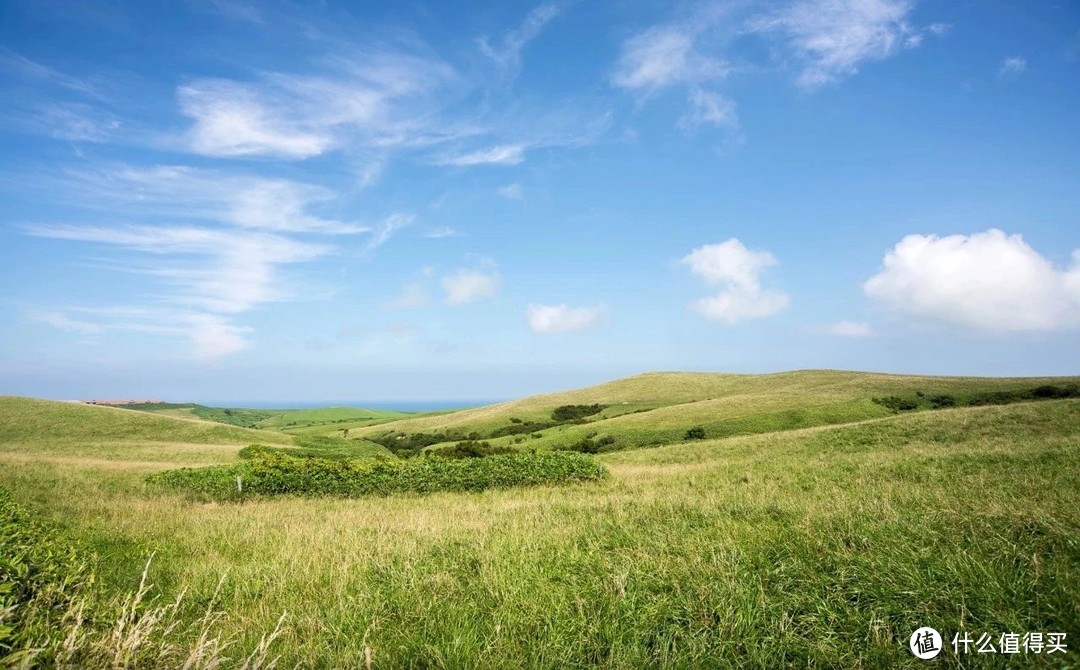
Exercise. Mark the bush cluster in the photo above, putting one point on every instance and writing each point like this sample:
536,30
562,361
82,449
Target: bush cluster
470,449
589,445
566,413
695,433
277,473
921,400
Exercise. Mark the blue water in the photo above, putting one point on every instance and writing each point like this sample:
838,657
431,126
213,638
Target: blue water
400,405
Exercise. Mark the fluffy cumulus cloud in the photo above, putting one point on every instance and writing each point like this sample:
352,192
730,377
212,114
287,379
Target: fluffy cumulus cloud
471,284
988,281
738,271
561,318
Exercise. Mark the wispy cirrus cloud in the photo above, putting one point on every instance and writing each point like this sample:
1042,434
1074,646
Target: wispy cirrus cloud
833,38
503,154
1012,67
213,245
679,55
666,55
381,99
506,53
227,197
828,40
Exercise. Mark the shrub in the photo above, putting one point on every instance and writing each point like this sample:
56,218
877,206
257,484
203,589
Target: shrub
896,403
275,474
941,401
575,412
520,428
471,449
695,433
587,445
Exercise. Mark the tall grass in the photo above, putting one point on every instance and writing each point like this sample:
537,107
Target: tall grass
821,547
53,615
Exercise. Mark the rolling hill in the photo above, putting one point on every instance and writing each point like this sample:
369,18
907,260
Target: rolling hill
38,428
659,408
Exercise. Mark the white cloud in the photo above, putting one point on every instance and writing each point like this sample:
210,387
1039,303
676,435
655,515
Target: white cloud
172,191
386,229
561,318
470,285
508,54
988,281
665,56
413,296
1012,67
738,270
503,154
204,276
214,337
708,108
378,99
729,262
850,329
62,321
671,55
440,233
734,305
834,37
511,191
217,270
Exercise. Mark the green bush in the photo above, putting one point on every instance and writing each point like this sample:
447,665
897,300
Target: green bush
695,433
471,449
587,445
941,401
277,473
575,412
335,449
897,404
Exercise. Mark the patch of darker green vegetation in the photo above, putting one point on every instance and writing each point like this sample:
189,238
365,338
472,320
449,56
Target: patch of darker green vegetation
406,445
470,449
567,413
244,418
269,473
40,578
591,445
922,400
695,433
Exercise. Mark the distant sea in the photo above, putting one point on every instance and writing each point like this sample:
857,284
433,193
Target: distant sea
398,405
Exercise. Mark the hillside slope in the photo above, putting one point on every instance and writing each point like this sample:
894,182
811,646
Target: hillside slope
658,408
44,427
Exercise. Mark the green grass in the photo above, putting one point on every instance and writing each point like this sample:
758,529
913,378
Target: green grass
657,408
44,428
804,547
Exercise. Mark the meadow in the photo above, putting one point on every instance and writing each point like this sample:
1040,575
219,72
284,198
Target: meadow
810,527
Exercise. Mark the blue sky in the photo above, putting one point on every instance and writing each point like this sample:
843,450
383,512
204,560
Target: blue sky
225,201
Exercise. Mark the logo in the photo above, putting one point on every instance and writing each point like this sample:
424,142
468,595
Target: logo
925,643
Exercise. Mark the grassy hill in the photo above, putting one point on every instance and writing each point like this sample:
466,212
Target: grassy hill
658,408
317,421
46,427
823,546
